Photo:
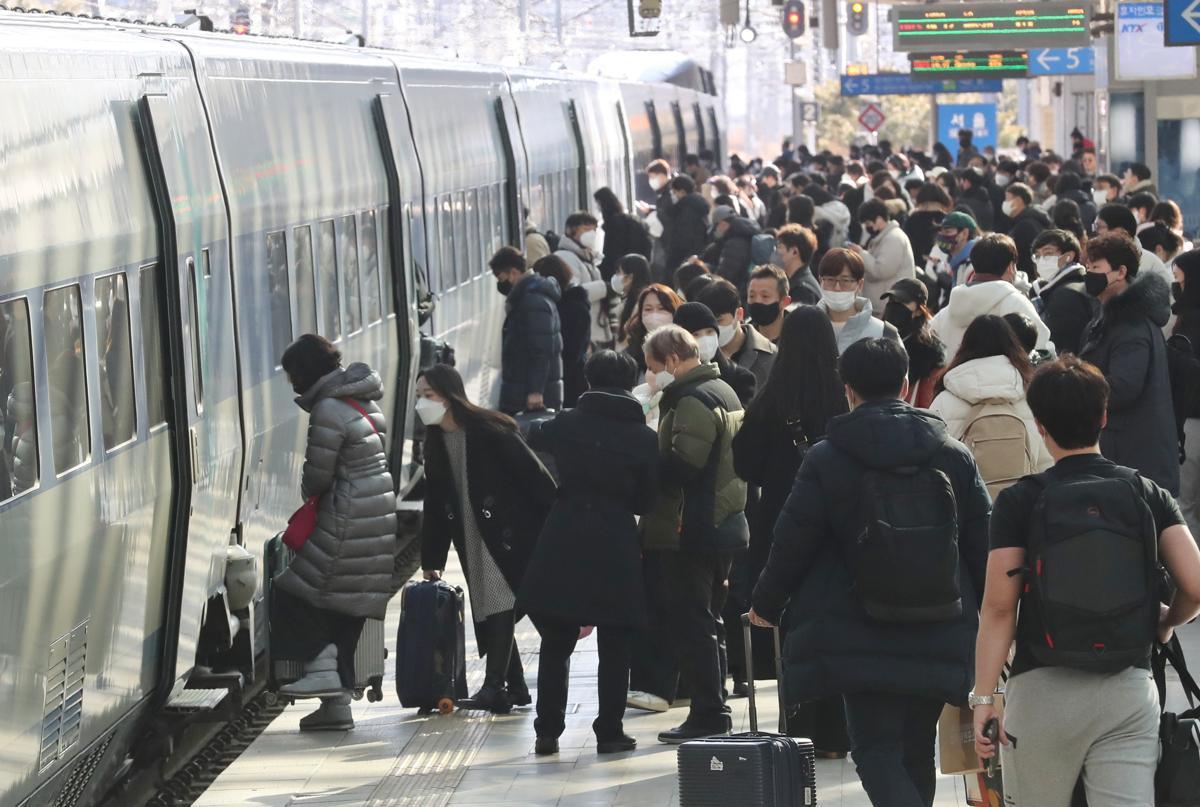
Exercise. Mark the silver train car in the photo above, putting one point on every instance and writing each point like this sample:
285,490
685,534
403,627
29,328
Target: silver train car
176,207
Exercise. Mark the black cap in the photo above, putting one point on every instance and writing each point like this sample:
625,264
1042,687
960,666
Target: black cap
905,291
694,317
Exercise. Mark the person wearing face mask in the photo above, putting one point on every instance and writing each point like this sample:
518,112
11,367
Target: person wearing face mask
1126,343
1058,293
699,520
888,256
1117,218
578,249
843,276
656,307
658,181
906,309
729,252
531,342
795,248
685,222
738,340
1106,189
698,320
623,233
1027,223
343,572
1186,293
1005,175
955,238
628,281
488,495
1141,204
768,300
973,197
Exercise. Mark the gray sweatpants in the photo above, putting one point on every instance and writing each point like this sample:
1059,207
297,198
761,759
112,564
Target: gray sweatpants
1064,721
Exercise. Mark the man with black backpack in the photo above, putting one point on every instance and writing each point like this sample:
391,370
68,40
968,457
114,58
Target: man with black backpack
879,559
1078,549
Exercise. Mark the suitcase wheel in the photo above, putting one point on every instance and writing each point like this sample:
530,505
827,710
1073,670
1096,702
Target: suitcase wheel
375,693
445,706
270,698
357,694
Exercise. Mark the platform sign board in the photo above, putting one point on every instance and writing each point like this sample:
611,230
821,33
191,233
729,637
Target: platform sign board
933,27
1062,61
979,118
1182,23
872,118
906,84
1140,52
810,112
980,64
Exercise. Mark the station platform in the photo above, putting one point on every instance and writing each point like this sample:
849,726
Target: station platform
394,757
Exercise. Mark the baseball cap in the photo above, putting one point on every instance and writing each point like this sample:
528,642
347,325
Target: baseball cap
907,290
959,220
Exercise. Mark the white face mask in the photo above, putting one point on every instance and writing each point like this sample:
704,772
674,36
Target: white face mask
725,334
656,319
657,182
618,284
430,412
1047,266
1100,197
708,347
588,239
659,381
838,300
1002,180
1007,207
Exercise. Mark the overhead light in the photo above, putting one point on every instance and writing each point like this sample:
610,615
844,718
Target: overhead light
748,34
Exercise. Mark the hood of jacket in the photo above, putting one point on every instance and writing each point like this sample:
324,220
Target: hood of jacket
969,302
534,284
1065,275
706,371
741,228
888,434
612,403
1036,214
355,381
859,319
1148,296
988,379
568,244
836,212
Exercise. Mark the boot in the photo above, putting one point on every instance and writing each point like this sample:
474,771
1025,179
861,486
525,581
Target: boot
321,679
333,715
498,638
518,690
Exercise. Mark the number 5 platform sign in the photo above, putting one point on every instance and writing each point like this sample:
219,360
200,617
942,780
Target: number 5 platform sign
979,119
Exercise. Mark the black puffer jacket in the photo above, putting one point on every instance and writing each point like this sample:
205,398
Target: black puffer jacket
685,227
729,254
978,203
1066,308
531,345
832,646
1127,344
623,235
1027,226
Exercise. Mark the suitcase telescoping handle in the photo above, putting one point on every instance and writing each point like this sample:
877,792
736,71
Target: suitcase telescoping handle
749,649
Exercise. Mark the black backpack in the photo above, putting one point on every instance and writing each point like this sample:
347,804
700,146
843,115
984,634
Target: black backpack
1092,573
905,559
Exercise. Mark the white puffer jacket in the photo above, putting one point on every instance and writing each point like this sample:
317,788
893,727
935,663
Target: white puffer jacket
989,379
997,297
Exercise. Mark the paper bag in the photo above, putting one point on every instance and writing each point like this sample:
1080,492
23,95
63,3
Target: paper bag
956,739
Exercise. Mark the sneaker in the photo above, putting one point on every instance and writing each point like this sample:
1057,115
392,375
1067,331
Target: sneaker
333,715
321,679
696,731
647,702
545,746
620,745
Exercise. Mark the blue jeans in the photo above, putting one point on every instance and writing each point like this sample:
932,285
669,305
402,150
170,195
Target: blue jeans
892,740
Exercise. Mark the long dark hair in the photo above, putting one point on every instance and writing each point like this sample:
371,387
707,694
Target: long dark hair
447,383
667,297
989,335
610,205
638,269
804,385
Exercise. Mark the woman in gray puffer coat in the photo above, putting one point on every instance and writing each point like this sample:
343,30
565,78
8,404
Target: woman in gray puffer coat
343,573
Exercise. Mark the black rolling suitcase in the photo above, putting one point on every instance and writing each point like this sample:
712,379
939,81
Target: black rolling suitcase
431,654
756,769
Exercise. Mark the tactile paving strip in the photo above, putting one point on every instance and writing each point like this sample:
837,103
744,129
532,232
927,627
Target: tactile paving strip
433,763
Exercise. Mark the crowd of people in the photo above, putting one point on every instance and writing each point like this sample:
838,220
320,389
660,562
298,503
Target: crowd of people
873,399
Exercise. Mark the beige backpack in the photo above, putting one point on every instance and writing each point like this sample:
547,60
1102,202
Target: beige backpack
998,440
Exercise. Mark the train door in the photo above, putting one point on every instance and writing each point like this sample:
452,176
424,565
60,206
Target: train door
702,141
677,114
626,158
655,131
718,152
202,352
514,187
580,154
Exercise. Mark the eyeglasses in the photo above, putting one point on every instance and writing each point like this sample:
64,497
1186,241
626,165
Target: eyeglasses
839,283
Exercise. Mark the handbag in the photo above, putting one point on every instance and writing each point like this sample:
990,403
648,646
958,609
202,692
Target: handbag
1177,780
302,522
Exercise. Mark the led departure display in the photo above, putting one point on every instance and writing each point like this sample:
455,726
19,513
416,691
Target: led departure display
948,27
982,64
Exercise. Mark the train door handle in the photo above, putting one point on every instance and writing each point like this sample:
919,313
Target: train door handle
195,453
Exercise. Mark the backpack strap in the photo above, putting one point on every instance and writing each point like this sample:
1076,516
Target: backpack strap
1172,653
1042,483
362,412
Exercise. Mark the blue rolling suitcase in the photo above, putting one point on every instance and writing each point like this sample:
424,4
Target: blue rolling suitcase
431,655
756,769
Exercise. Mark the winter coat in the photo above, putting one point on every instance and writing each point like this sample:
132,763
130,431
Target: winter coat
623,235
921,229
888,258
757,354
346,564
992,379
1027,226
1150,263
803,288
536,245
832,646
977,202
838,216
587,567
1187,323
531,344
743,382
511,494
1065,306
997,297
575,314
861,325
685,226
586,274
1127,344
729,254
701,503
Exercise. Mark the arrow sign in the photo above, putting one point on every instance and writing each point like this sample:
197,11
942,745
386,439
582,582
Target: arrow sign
1063,61
1182,27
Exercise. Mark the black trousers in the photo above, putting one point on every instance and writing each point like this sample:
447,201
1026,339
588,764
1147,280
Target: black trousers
695,586
653,667
892,741
554,670
299,631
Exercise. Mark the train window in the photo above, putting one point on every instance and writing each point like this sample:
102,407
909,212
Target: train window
194,298
475,233
118,418
385,262
62,324
331,300
370,266
306,291
348,260
446,240
281,301
17,403
462,261
154,361
497,206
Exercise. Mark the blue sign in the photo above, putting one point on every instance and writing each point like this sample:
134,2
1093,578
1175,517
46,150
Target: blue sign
1062,61
904,84
1183,22
980,119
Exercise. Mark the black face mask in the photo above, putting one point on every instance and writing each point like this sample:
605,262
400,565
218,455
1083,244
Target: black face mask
763,313
899,317
1177,292
504,286
1095,283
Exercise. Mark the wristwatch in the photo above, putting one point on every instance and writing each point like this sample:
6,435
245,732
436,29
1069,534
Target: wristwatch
974,700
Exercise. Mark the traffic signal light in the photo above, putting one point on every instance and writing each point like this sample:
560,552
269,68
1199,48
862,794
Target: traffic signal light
793,19
856,17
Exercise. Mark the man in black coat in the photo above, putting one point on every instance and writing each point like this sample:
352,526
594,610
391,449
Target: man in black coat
975,197
531,367
895,674
1027,223
1126,342
1058,293
729,253
685,222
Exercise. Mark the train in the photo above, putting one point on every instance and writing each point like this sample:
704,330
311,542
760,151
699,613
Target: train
176,205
